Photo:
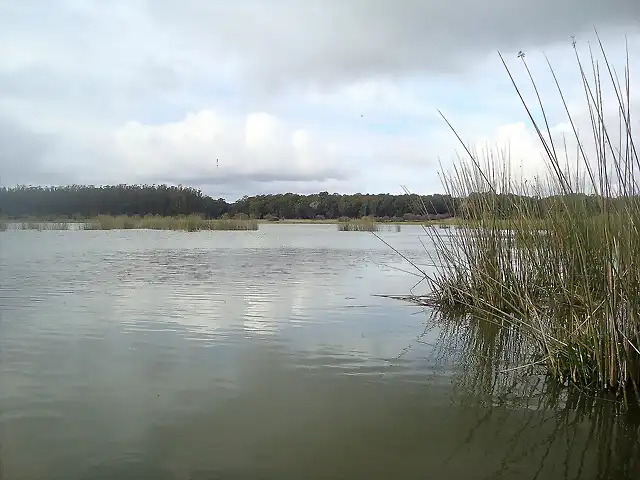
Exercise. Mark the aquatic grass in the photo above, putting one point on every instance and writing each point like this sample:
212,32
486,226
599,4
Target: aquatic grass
108,222
36,225
190,223
231,224
359,225
567,274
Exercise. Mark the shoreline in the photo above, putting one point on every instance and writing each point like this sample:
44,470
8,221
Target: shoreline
288,221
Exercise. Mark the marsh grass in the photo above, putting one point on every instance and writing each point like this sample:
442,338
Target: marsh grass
190,223
567,279
35,225
360,225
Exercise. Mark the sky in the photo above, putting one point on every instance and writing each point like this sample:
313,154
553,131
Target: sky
252,97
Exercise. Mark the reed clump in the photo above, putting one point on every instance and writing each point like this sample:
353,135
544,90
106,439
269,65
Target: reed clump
36,225
360,225
557,258
189,223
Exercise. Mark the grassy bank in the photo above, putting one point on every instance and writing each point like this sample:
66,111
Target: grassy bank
571,285
332,221
126,221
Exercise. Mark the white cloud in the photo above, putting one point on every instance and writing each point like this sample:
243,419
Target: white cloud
518,146
208,148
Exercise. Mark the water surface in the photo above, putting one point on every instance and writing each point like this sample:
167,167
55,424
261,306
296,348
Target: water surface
259,355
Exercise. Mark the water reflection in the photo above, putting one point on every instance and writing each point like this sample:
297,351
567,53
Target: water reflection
264,355
549,431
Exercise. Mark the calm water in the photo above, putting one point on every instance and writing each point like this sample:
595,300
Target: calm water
260,355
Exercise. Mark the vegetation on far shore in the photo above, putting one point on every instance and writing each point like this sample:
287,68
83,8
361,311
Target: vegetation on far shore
571,286
189,223
82,202
66,203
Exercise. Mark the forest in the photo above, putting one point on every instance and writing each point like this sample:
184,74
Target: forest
81,201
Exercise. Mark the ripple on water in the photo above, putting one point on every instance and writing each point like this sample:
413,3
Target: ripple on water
107,337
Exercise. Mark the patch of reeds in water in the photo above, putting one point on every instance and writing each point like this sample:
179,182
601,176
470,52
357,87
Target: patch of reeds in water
361,225
567,279
190,223
34,225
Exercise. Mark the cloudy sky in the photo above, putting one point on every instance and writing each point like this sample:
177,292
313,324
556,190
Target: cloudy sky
255,96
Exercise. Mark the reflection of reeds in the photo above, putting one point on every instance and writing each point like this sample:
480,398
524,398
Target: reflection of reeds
570,436
571,285
557,432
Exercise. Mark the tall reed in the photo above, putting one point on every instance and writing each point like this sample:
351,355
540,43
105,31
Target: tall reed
567,277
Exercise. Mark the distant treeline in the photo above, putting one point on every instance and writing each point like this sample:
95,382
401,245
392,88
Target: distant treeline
78,201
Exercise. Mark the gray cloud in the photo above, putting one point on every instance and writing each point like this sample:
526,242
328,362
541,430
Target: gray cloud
283,41
22,154
82,70
233,179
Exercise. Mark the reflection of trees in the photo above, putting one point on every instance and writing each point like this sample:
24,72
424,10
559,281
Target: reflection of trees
551,431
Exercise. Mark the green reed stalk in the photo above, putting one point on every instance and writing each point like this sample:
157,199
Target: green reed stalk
558,257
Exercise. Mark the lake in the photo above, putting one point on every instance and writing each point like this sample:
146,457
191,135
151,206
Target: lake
263,355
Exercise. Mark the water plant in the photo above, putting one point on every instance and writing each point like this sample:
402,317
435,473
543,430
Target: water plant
190,223
566,274
365,224
39,225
